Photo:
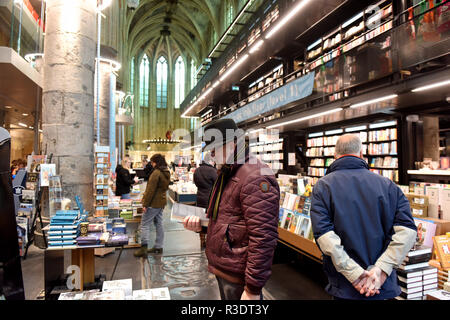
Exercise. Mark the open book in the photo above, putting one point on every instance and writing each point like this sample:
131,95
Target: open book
180,211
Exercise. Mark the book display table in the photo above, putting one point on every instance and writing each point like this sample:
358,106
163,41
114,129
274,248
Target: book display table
81,256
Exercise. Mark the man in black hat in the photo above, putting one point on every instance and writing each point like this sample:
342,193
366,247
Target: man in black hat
243,215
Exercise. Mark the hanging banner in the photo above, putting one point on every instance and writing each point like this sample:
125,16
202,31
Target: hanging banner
298,89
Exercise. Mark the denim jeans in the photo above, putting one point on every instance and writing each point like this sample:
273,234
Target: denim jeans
231,291
125,196
154,215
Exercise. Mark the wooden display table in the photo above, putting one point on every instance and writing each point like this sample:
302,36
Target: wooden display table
300,244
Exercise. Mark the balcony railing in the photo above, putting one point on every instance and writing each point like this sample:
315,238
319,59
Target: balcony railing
24,31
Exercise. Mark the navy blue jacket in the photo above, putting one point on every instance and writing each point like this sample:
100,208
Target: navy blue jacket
362,208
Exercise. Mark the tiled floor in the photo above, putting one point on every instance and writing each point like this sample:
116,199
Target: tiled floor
183,268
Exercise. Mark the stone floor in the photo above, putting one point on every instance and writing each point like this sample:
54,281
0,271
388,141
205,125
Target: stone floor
183,269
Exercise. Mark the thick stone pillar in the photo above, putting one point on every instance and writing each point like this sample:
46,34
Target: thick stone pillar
68,94
431,138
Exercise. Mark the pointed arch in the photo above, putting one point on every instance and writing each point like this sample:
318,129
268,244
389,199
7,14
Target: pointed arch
144,80
179,81
161,83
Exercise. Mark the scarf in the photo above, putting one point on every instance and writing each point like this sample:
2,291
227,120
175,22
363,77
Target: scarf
225,173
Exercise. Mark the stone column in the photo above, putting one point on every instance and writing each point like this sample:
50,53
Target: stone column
68,94
106,72
431,138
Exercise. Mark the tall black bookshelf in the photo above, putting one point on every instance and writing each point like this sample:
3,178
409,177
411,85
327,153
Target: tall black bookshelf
380,148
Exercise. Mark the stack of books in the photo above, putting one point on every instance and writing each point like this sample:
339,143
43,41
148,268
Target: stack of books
416,277
93,238
64,228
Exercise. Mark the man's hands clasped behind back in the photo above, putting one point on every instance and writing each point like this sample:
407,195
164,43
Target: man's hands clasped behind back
370,282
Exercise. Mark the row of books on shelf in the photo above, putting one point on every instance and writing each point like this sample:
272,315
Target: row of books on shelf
383,135
320,162
270,156
118,290
266,147
389,148
275,165
320,152
316,172
384,162
331,140
353,31
390,174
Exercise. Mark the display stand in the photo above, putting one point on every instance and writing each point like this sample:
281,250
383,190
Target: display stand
101,179
33,224
300,244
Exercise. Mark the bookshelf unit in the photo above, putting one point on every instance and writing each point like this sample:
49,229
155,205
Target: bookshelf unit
367,31
101,180
269,150
380,148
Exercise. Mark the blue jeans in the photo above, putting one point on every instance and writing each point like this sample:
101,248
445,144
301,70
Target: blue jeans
125,196
154,215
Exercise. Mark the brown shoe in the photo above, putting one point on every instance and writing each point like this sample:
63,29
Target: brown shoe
141,252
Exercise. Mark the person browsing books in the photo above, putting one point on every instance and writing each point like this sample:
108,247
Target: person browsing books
243,212
154,200
124,180
204,177
363,225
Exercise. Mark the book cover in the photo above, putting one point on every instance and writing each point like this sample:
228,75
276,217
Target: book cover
125,285
411,290
181,211
426,230
409,280
410,285
161,293
418,258
410,296
430,276
287,222
109,295
295,219
442,246
145,294
419,250
305,227
413,266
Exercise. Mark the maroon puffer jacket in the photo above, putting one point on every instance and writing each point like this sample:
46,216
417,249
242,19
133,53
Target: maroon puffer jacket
241,242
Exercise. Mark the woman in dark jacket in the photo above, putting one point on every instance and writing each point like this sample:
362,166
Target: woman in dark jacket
154,201
204,177
124,180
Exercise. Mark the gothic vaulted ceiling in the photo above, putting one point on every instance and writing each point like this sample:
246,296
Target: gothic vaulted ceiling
172,27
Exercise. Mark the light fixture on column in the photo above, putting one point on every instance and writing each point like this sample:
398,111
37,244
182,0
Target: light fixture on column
103,4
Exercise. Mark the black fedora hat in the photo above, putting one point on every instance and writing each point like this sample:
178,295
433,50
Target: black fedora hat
224,126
